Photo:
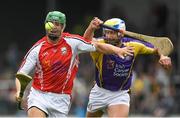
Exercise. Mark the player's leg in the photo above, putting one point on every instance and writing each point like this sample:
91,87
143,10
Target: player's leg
48,104
36,112
36,104
59,105
120,110
97,102
118,104
98,113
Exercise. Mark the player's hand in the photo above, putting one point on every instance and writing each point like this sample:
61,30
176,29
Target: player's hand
95,23
125,51
165,61
19,102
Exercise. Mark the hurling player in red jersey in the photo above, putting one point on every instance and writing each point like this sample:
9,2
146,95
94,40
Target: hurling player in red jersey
54,60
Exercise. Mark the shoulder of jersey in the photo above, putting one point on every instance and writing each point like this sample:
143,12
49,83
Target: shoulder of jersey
73,36
40,41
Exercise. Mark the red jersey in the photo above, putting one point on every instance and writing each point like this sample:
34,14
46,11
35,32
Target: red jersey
55,65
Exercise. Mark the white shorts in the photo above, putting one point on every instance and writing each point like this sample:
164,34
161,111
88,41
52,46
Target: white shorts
100,99
53,104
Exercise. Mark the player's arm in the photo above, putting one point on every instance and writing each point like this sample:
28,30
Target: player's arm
18,86
92,46
94,24
110,49
104,48
22,77
165,61
146,48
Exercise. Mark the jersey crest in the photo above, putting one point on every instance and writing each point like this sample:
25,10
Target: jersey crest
63,51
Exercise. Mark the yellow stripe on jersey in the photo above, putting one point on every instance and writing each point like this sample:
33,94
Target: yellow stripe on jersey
98,60
128,75
140,48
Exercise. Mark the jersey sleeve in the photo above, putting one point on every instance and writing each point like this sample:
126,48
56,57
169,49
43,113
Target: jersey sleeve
85,46
141,48
29,61
81,44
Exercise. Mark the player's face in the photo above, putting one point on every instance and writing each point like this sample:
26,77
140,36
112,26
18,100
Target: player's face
112,37
56,31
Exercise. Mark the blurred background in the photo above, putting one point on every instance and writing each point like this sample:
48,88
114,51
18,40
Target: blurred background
155,92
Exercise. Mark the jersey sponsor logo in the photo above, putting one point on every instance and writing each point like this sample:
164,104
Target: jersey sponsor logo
63,50
45,54
120,70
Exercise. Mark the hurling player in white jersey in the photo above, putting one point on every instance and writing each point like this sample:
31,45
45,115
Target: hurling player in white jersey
54,59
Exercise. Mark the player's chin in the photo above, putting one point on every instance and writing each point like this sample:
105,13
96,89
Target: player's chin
54,34
113,42
54,37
